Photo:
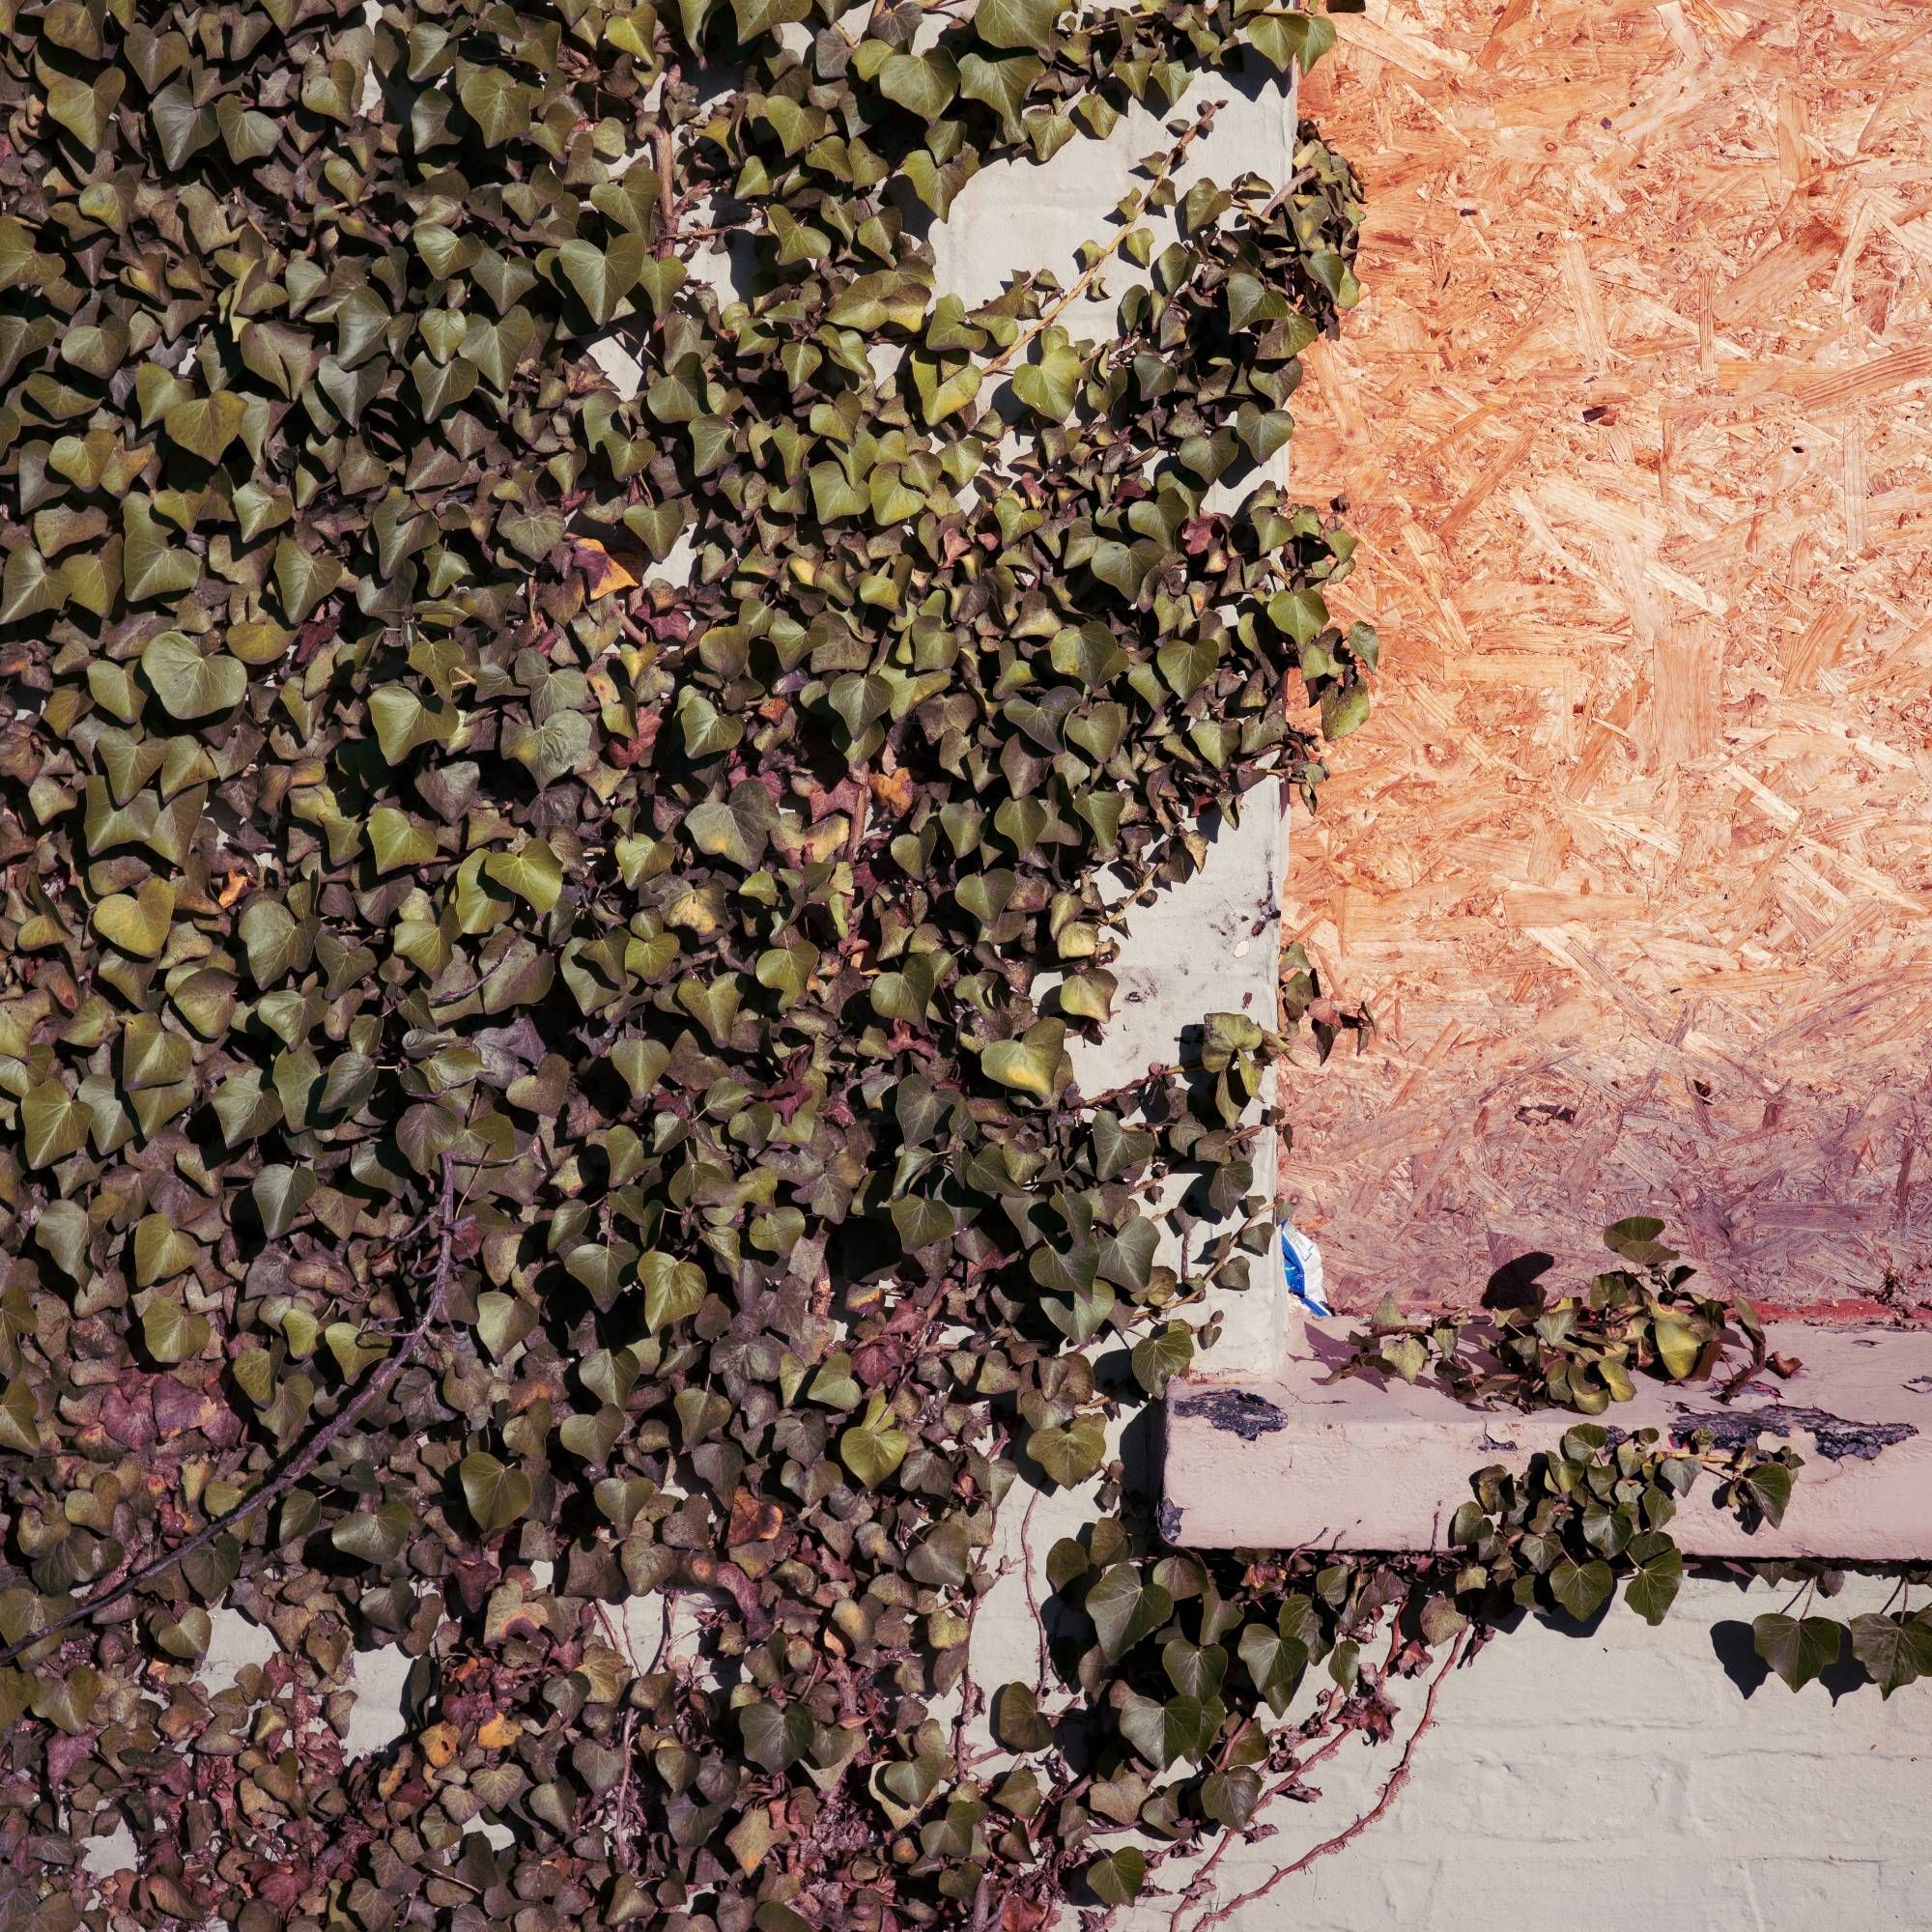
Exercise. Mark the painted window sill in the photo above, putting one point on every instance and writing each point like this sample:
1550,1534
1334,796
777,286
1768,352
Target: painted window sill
1291,1458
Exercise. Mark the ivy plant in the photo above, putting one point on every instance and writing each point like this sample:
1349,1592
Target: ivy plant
544,916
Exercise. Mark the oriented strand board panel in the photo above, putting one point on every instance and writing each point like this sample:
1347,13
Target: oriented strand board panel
1632,864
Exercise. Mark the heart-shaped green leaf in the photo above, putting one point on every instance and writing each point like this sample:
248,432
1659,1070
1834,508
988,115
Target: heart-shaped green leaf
1798,1648
603,277
877,1446
1125,1608
188,683
207,424
138,922
496,1493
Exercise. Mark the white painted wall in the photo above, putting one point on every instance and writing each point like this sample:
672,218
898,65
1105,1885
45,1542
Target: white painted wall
1620,1780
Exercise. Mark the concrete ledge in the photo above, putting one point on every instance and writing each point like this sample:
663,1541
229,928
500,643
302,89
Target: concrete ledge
1292,1458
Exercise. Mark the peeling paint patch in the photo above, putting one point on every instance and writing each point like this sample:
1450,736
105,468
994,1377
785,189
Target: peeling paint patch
1239,1412
1167,1520
1838,1437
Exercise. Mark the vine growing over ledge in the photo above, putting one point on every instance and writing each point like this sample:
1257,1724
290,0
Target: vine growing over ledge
1561,1534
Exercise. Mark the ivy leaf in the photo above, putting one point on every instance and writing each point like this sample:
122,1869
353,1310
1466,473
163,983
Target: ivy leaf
1016,23
1002,84
1895,1650
1288,39
944,392
1274,1663
834,1383
1164,1733
1659,1574
1229,1797
1582,1588
53,1123
877,1446
207,424
775,1738
1301,614
496,1494
271,939
603,277
1125,1609
1678,1348
138,922
29,585
171,1333
673,1290
532,871
1116,1877
1797,1648
403,721
85,109
62,1233
1159,1357
280,1194
738,827
1634,1238
1047,386
1186,667
150,565
376,1536
67,1702
924,84
1071,1452
1765,1487
302,580
501,107
553,749
1016,1720
1344,708
1037,1063
188,684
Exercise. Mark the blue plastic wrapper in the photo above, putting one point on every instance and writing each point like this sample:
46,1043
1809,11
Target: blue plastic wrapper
1301,1264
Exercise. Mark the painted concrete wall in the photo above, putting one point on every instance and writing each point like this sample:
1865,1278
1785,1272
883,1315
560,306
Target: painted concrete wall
1620,1780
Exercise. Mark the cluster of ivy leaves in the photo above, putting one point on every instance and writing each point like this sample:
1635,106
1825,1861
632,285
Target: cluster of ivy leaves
1531,1350
1560,1534
527,1084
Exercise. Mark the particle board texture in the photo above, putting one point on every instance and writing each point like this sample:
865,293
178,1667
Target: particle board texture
1632,866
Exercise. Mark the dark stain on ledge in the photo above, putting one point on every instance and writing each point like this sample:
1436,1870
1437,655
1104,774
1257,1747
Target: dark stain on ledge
1237,1411
1837,1438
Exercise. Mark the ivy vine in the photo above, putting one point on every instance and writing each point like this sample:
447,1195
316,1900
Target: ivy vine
1560,1535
